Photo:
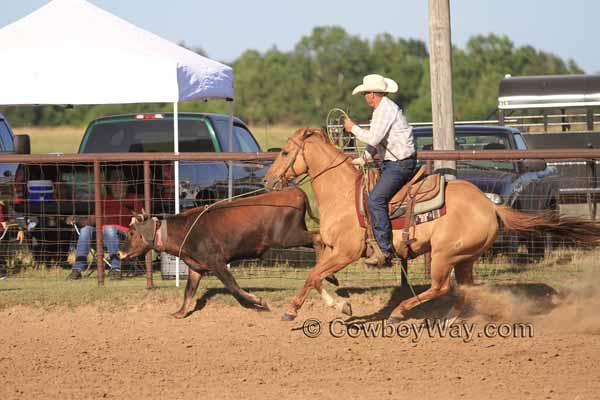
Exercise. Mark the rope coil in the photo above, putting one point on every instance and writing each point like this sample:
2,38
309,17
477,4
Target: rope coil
335,128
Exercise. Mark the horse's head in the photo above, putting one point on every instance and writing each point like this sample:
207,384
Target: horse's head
291,161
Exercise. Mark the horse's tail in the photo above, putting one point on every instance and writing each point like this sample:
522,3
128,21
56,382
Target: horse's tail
309,209
573,228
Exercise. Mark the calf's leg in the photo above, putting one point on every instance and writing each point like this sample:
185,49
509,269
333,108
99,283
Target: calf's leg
240,294
190,290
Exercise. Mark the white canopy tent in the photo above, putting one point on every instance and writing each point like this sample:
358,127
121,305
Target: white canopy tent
72,52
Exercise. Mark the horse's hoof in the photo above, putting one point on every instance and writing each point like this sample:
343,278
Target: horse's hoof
395,319
264,305
347,309
288,317
333,280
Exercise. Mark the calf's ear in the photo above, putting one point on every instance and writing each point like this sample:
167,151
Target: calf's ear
138,217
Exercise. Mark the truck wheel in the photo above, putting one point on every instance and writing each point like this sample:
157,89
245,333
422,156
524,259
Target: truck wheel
539,247
512,249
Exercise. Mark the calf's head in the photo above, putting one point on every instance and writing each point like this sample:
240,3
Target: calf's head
140,238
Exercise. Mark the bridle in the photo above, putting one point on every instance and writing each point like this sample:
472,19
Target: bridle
290,166
148,234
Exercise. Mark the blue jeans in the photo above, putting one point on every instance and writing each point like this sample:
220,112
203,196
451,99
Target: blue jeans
394,174
111,242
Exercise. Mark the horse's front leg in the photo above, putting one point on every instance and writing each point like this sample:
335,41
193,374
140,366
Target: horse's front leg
327,265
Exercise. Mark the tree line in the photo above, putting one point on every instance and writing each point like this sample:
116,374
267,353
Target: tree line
300,86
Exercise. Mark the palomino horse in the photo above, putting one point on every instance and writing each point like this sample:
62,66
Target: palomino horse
456,240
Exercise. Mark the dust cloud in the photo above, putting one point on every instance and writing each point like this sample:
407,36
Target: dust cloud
573,309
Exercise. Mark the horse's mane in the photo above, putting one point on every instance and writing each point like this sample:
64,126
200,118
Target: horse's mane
320,133
316,132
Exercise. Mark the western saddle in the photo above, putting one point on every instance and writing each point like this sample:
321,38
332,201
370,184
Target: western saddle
423,193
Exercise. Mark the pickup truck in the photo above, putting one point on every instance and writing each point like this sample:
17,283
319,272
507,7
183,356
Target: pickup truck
9,144
529,186
200,182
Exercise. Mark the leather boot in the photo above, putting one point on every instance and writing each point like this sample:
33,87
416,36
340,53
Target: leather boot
383,260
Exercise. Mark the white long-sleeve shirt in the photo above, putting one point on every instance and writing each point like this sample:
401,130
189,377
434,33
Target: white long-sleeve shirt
389,132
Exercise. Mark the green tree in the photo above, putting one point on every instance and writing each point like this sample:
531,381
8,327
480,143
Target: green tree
331,63
302,85
401,60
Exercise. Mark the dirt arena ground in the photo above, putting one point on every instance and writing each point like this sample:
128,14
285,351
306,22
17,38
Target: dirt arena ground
225,351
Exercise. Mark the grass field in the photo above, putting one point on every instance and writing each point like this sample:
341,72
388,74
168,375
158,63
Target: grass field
270,136
60,139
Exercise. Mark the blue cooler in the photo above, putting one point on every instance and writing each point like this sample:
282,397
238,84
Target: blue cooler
41,190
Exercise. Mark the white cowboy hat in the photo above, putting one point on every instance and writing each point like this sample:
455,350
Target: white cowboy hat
376,83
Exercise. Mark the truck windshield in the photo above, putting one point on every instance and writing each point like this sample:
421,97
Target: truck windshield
152,135
242,138
6,143
474,141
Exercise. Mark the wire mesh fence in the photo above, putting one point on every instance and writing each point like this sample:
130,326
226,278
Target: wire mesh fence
54,202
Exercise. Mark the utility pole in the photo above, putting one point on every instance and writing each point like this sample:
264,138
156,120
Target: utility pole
440,65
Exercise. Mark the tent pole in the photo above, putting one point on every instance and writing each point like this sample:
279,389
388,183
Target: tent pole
230,178
176,150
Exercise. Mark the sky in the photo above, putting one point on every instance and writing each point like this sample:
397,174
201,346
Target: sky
225,30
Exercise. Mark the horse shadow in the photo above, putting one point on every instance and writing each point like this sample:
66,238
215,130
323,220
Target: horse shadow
539,293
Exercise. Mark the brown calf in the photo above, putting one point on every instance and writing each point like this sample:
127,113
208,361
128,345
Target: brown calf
243,228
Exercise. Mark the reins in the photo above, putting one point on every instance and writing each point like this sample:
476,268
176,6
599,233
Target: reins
306,175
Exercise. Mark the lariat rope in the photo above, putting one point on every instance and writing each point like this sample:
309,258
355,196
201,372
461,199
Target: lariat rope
335,129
